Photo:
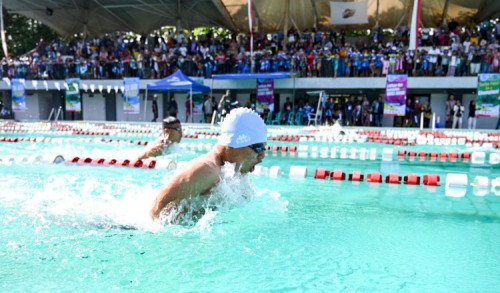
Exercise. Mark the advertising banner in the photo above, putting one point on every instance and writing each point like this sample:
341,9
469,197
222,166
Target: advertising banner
488,95
73,99
18,95
395,95
131,98
265,95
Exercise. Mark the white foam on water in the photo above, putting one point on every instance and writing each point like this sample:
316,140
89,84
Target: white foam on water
89,202
234,190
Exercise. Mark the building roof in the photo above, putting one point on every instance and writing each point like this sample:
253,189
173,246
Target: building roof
98,17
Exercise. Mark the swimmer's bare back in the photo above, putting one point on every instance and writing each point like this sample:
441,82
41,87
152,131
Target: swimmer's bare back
199,177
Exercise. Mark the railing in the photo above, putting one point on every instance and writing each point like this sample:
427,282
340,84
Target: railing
57,114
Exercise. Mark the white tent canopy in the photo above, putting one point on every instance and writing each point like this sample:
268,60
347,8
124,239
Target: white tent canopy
103,16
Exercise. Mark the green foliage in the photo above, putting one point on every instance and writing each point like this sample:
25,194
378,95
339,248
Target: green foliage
23,34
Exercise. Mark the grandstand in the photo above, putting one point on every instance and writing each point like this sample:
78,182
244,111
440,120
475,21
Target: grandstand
319,59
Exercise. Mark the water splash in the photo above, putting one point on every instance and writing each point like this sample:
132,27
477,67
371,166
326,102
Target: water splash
90,200
234,190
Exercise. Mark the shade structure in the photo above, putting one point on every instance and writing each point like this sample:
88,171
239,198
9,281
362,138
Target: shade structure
177,82
103,16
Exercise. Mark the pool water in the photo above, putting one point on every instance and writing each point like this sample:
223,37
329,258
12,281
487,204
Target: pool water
69,227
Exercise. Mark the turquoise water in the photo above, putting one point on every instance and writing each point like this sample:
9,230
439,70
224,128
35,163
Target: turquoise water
85,228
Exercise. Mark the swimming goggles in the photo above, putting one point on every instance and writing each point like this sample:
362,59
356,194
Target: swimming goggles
258,147
176,128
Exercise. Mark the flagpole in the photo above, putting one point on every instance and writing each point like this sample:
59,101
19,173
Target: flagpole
415,24
250,26
191,103
145,103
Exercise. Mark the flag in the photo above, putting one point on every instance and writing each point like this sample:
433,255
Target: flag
488,95
18,95
131,98
73,99
265,95
348,12
395,95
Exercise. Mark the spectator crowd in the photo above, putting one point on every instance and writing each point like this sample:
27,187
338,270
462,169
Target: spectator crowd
449,50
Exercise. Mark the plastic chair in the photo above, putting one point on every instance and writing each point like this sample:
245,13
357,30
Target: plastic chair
298,118
315,118
291,118
269,118
277,119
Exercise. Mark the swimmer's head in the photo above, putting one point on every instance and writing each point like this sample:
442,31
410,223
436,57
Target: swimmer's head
243,138
172,128
242,127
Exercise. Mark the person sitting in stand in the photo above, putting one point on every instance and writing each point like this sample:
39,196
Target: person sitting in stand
172,133
307,110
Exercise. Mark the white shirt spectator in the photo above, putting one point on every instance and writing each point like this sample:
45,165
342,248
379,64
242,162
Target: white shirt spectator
425,33
466,45
433,53
183,50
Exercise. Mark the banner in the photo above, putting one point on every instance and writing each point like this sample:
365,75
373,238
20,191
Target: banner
18,95
131,98
395,95
73,99
488,95
265,95
348,12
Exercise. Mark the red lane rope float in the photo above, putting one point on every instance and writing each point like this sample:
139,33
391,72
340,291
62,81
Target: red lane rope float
90,133
422,154
293,148
356,176
412,153
393,178
433,154
401,153
411,179
466,155
454,155
431,180
284,148
337,175
112,162
374,177
321,174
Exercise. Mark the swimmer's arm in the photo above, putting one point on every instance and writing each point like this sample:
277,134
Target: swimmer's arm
190,182
154,150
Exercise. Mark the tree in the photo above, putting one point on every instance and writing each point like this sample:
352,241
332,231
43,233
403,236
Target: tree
23,34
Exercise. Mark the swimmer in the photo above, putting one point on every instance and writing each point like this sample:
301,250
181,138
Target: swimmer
172,133
242,143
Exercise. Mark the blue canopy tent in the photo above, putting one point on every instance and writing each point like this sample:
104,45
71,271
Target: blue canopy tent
177,82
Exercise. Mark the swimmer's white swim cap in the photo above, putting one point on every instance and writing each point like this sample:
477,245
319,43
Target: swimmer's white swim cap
242,127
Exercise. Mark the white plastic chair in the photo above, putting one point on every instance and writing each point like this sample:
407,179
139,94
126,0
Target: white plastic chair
315,118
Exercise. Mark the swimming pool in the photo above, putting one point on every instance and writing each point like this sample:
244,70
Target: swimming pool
76,226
